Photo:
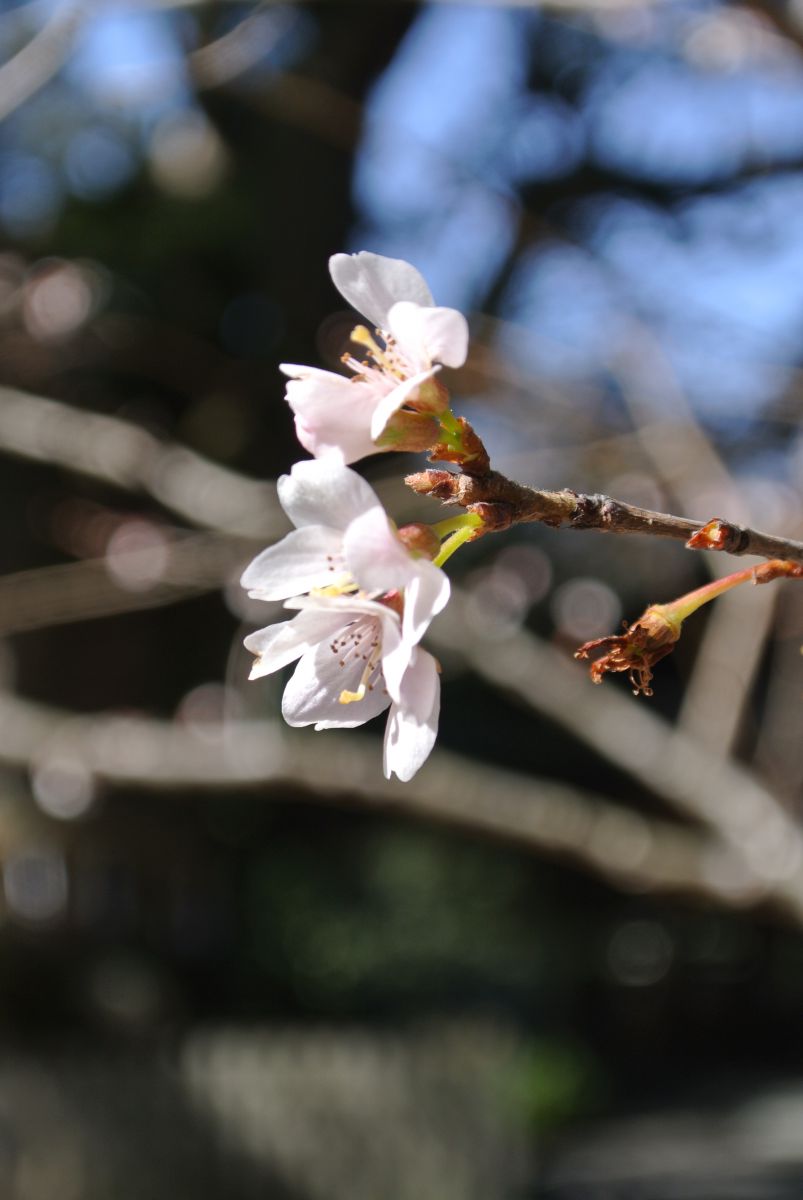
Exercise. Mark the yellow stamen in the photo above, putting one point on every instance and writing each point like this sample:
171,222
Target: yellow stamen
335,589
384,359
349,697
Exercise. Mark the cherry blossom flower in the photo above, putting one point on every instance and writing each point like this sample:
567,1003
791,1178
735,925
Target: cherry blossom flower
350,670
356,632
393,399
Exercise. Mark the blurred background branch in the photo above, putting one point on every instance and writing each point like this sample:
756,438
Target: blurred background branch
612,192
43,56
120,453
632,850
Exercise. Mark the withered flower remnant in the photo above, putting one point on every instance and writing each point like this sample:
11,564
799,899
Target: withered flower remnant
653,635
637,650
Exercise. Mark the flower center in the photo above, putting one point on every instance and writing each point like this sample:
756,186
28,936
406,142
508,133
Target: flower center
346,585
361,640
385,358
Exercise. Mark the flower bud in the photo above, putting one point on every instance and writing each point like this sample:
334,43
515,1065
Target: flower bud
715,535
421,540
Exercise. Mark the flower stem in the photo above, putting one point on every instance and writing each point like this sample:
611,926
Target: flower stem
452,524
683,607
458,531
452,543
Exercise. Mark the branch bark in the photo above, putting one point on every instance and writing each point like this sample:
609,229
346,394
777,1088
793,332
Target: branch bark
502,503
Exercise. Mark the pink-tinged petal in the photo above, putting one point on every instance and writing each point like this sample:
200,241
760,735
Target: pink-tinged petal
394,400
373,284
280,644
429,335
424,597
333,413
302,371
309,437
306,558
324,492
332,442
312,696
413,723
352,607
377,560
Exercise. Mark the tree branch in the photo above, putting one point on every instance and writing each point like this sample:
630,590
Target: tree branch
502,503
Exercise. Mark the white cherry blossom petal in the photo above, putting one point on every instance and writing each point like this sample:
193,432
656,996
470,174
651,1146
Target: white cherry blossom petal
332,412
373,283
393,401
350,606
413,723
324,492
394,666
280,644
313,694
425,596
374,555
356,607
355,634
306,558
429,335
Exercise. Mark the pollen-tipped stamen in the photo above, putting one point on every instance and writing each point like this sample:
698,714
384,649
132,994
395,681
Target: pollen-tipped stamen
385,358
365,685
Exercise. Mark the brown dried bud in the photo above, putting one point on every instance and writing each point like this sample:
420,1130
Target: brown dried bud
421,540
440,484
636,651
495,516
470,453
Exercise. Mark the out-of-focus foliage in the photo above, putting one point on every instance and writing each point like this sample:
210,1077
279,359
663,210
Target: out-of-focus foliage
613,193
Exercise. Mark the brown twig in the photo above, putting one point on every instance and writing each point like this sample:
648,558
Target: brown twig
502,502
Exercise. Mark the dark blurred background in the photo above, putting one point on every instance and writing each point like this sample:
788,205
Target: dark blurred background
566,960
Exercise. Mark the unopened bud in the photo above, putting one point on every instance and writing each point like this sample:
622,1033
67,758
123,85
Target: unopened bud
464,447
716,535
442,485
495,515
420,540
